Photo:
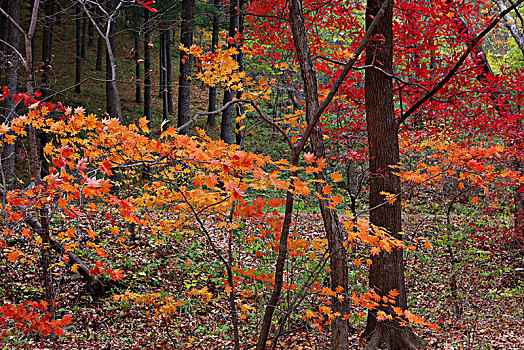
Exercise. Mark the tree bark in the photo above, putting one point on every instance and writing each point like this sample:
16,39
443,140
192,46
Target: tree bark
184,83
138,69
3,31
226,127
511,24
147,67
212,103
100,43
239,130
387,270
47,45
334,232
112,95
163,81
169,68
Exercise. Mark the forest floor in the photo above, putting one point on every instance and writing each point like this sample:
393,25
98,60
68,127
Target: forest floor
484,312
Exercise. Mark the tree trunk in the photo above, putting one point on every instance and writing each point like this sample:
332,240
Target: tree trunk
147,68
226,127
212,104
46,68
184,83
90,34
46,45
163,81
511,24
78,58
3,31
112,95
387,271
334,232
239,130
161,65
169,68
9,150
83,37
138,70
46,261
99,45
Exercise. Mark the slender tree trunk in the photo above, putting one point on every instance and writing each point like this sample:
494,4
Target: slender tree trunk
239,129
387,271
46,45
83,36
169,68
334,232
46,68
112,95
226,127
138,69
3,31
163,81
147,67
212,104
100,45
161,65
78,58
46,261
90,34
184,83
511,24
9,150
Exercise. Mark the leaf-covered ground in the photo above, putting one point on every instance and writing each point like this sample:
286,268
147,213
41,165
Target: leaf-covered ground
476,297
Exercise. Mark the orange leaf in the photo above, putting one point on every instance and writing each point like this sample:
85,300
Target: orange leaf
336,177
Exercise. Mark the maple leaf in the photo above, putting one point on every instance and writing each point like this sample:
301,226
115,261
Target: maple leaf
309,157
105,167
336,177
310,313
327,189
13,256
101,252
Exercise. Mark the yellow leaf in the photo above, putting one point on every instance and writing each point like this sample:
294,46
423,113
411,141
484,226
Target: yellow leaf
75,268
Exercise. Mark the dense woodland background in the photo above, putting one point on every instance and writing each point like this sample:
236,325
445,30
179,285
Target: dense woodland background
261,174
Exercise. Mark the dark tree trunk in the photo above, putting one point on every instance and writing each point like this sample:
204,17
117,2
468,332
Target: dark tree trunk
112,95
138,69
239,132
3,30
9,150
169,68
226,127
163,81
46,261
83,37
161,64
212,104
387,271
90,34
78,58
147,67
334,232
184,83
